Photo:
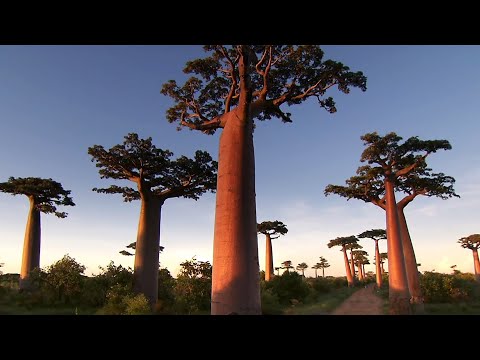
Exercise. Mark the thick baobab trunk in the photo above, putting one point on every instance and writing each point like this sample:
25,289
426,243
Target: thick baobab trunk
476,263
269,259
360,272
235,280
31,246
399,297
145,275
378,269
347,267
352,264
416,296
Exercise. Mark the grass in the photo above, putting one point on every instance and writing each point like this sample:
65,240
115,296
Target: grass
453,309
41,310
324,305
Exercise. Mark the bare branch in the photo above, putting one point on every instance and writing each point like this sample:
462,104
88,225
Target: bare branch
408,169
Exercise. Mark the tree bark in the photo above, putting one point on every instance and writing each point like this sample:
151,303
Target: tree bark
347,267
352,265
476,263
235,268
323,272
145,275
399,297
416,296
269,258
360,272
378,269
31,246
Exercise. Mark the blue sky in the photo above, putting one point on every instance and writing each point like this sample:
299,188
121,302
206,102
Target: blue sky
56,101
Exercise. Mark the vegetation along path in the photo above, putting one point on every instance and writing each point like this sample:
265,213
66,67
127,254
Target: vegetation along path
361,302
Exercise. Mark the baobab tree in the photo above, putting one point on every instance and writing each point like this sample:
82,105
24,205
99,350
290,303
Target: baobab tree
271,230
301,267
323,265
472,242
287,265
44,196
394,162
231,88
360,258
344,242
278,270
376,235
316,267
157,178
383,257
353,246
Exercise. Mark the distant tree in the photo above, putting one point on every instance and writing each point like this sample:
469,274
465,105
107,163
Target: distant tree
360,258
157,179
230,88
44,196
472,242
1,265
394,161
301,267
287,265
133,246
278,270
271,230
323,265
376,235
383,257
344,242
354,245
316,267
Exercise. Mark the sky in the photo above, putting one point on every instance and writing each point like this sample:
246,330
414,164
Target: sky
56,101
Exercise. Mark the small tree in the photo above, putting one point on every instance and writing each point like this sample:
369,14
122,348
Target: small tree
271,230
44,196
359,257
376,235
157,178
354,245
344,242
472,242
301,267
231,88
287,265
316,267
323,265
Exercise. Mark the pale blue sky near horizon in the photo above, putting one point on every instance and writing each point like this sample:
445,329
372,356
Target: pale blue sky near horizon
56,101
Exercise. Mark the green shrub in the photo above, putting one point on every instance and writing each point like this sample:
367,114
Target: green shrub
136,305
290,288
447,288
270,303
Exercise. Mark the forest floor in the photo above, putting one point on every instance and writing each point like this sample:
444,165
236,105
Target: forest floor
361,302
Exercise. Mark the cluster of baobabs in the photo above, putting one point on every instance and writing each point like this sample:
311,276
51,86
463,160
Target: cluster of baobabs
230,89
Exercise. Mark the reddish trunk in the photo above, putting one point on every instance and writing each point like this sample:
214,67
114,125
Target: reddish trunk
360,272
269,259
363,269
476,263
378,268
235,280
399,297
145,276
352,265
347,267
416,296
31,246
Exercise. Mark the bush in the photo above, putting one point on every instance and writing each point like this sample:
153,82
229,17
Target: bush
270,303
136,305
290,288
447,288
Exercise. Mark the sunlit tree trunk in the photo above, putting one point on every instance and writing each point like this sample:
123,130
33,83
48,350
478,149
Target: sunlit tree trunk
347,267
360,272
378,268
476,263
235,280
399,297
416,296
145,276
31,246
269,259
352,265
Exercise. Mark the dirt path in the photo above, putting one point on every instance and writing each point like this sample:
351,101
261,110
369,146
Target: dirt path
362,302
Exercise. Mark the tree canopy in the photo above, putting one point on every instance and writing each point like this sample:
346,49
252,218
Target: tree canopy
153,171
471,242
374,234
133,246
267,76
342,241
47,193
272,228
